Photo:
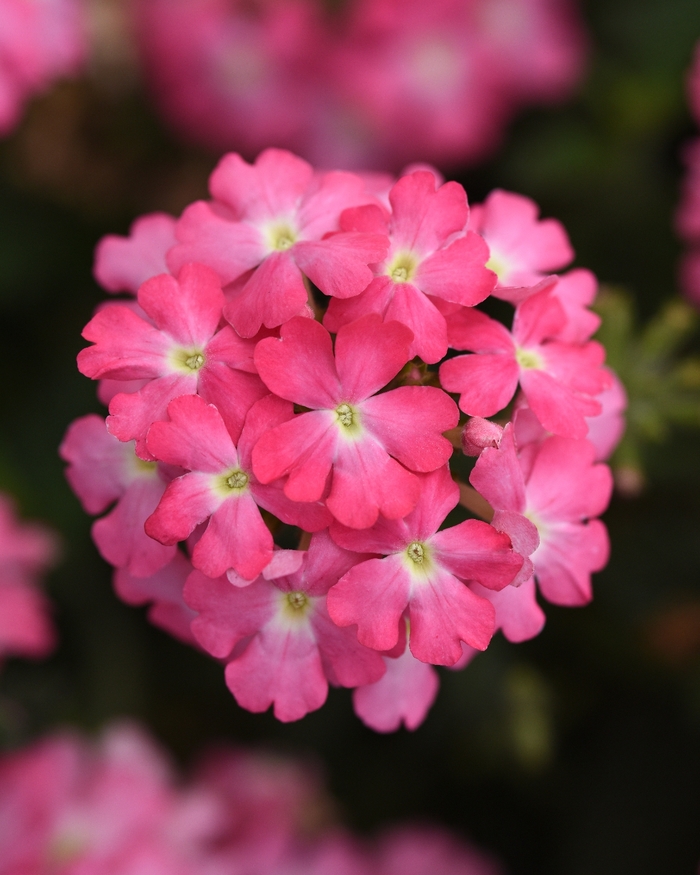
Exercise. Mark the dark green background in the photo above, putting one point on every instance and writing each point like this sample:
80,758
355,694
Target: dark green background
574,754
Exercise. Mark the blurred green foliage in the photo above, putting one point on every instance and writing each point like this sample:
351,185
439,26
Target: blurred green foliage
573,754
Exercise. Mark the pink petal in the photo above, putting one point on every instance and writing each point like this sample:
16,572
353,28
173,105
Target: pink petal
566,558
474,550
373,596
473,330
346,662
404,695
187,308
412,308
195,438
236,537
338,264
122,264
126,346
369,354
518,615
556,406
304,448
208,236
498,476
486,382
424,218
188,501
280,667
444,612
409,422
439,495
367,482
458,273
299,366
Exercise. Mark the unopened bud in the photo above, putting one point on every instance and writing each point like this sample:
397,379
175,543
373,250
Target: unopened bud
478,434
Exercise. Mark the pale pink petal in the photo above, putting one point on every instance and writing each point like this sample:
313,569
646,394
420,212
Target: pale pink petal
518,615
498,476
404,695
566,558
122,264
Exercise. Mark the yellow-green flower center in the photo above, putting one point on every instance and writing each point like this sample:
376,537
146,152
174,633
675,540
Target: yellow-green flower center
297,600
237,480
402,267
281,237
195,361
345,414
416,552
528,359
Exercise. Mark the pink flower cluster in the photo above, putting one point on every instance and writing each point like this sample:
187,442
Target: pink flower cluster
688,215
68,807
281,378
26,550
40,41
383,83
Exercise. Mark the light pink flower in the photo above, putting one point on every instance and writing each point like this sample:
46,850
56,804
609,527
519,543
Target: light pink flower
403,695
180,351
369,444
267,228
26,550
424,261
122,264
556,486
103,471
524,249
558,379
423,571
220,487
421,850
40,41
281,647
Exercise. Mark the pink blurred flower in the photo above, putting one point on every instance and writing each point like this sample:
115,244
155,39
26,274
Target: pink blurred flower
40,41
26,551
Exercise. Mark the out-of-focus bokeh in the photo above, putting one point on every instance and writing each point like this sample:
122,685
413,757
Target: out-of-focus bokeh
574,753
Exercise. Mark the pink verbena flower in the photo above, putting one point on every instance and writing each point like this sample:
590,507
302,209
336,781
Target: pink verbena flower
403,695
123,264
556,486
524,249
267,227
180,351
423,571
26,550
558,379
103,471
220,487
367,445
424,261
40,41
70,807
280,645
419,850
231,75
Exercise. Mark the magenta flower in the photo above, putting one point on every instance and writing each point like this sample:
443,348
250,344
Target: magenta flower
180,351
103,471
557,486
368,444
220,487
273,218
558,379
424,261
293,648
423,570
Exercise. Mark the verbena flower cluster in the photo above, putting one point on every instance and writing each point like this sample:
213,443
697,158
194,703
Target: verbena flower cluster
380,83
115,807
280,385
40,41
688,215
26,551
